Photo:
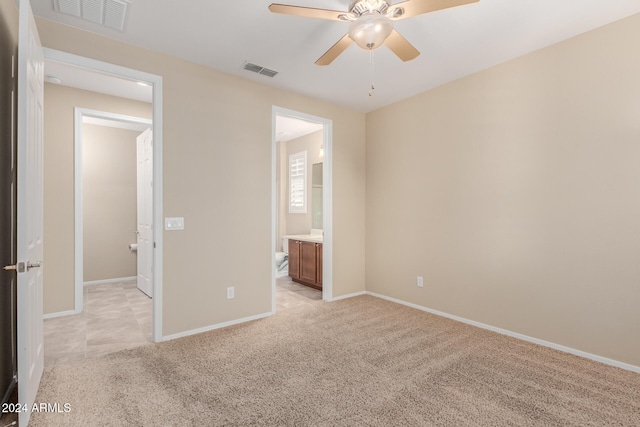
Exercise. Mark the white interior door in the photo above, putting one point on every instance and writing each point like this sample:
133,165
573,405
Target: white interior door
30,210
145,212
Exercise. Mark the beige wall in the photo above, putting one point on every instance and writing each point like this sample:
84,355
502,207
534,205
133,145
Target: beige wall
213,122
109,198
281,193
59,104
9,17
515,192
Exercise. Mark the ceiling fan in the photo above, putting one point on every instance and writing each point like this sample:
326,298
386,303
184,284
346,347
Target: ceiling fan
371,23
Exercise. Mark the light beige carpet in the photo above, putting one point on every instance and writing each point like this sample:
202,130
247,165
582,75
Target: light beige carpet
356,362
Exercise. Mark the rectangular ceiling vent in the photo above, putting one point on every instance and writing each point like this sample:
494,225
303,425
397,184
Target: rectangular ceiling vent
110,13
258,69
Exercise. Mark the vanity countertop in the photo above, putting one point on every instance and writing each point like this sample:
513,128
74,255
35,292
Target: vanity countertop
315,238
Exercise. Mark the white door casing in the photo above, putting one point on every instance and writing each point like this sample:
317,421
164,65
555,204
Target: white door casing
144,145
30,210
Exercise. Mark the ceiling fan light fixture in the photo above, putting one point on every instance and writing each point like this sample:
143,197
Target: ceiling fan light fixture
370,30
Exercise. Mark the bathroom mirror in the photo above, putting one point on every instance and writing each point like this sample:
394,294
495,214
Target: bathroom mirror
316,196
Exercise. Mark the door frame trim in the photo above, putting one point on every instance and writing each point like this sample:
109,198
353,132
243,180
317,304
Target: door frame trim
156,82
327,199
79,115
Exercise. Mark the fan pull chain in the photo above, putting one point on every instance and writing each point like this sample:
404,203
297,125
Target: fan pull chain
373,88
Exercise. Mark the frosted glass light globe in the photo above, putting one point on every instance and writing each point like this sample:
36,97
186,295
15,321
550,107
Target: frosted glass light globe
370,30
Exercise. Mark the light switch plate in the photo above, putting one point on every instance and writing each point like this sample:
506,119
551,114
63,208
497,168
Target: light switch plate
176,223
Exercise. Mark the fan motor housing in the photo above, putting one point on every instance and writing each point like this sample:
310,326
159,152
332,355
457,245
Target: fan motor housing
360,7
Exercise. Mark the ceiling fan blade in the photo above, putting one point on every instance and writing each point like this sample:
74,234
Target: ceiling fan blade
401,47
418,7
335,50
307,12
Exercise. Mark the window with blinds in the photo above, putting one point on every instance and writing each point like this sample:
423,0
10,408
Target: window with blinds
298,182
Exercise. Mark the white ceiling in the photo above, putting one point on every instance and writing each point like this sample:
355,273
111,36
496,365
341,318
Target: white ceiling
453,43
114,123
288,128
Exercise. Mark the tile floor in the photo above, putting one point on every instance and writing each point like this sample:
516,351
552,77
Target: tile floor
291,294
118,317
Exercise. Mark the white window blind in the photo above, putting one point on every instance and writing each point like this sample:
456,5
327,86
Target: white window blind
298,182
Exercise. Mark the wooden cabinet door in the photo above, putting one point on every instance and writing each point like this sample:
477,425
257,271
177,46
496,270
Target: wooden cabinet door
294,259
308,262
319,264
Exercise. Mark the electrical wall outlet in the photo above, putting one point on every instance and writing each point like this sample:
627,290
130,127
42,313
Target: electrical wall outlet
420,282
231,292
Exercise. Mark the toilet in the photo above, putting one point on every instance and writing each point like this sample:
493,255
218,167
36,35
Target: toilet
282,259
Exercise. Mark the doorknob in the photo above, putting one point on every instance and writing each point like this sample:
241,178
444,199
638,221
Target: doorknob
21,267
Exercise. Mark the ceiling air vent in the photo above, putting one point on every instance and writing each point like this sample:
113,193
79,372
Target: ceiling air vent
259,69
110,13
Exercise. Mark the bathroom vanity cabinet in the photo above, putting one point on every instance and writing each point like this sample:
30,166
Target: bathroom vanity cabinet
305,263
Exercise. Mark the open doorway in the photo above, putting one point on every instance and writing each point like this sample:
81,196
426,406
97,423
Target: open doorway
302,206
101,72
113,199
113,203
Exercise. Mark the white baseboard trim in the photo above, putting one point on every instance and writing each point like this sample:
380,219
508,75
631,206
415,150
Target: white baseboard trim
216,326
355,294
109,281
59,314
522,337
